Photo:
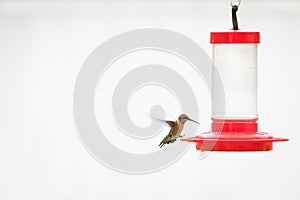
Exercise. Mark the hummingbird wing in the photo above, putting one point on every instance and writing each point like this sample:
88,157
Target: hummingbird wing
170,123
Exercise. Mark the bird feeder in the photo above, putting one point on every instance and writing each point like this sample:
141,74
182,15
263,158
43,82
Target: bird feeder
234,128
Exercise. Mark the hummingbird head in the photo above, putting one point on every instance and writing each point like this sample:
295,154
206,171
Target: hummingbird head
183,118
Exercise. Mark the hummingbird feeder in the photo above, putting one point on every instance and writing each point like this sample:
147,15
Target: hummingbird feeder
235,63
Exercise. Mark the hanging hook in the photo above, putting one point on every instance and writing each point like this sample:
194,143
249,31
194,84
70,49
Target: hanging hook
235,3
235,6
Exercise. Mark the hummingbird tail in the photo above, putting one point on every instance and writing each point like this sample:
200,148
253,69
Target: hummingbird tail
167,140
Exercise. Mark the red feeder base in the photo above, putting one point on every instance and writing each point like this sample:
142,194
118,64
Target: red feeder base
234,135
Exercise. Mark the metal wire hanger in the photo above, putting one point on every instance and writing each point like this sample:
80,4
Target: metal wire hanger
234,6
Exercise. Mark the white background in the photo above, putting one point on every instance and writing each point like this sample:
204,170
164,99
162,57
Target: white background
42,47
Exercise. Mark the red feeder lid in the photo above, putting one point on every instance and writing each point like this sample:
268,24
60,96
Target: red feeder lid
234,37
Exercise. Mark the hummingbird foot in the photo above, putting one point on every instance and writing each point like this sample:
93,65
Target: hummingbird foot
172,141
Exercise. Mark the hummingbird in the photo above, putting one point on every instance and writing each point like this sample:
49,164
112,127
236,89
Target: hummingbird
176,128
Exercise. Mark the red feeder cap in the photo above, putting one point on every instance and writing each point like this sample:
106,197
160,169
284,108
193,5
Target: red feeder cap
234,37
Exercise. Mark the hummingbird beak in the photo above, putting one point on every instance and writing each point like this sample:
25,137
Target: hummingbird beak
194,121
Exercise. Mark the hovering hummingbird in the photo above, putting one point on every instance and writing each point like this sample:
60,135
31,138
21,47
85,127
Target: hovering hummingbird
176,129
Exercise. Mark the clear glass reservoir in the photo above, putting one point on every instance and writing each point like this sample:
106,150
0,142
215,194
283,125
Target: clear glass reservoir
235,62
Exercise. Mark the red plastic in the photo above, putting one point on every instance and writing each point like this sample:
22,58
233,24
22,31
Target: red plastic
234,135
234,37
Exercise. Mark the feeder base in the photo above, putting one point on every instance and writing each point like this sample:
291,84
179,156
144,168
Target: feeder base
215,142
